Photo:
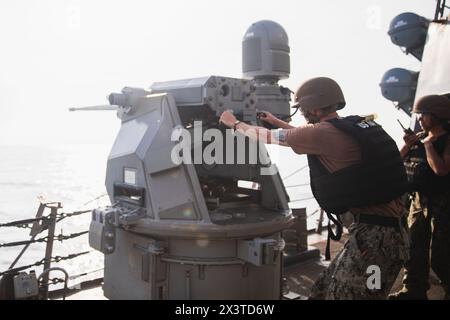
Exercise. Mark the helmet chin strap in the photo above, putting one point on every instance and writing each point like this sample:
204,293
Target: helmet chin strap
296,110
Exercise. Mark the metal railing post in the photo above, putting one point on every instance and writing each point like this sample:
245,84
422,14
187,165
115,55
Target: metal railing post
49,248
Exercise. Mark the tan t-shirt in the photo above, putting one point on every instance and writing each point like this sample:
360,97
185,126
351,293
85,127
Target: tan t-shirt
336,150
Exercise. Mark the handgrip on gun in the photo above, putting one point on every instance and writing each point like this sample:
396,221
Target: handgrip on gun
260,115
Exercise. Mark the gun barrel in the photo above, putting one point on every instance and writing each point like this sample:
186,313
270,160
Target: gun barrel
96,108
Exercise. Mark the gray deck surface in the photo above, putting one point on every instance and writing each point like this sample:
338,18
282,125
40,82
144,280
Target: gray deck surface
300,277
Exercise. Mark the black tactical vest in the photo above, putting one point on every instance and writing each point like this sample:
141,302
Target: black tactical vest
379,178
420,175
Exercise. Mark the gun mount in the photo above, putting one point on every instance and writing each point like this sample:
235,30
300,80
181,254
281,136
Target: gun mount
201,229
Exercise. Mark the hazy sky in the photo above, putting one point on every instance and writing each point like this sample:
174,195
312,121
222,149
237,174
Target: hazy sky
58,54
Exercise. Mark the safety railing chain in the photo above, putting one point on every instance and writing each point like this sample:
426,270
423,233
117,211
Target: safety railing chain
25,223
42,261
60,237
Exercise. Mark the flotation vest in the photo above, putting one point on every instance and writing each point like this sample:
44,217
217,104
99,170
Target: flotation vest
421,177
379,178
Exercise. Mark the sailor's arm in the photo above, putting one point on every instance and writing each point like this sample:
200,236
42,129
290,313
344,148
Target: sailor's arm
253,132
404,150
440,165
271,119
409,139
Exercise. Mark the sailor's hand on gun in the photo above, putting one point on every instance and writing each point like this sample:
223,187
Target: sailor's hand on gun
267,117
228,119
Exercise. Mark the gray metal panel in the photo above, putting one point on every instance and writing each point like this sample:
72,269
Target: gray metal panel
251,56
182,83
185,282
203,248
434,77
171,186
240,282
171,189
184,211
123,270
274,190
281,61
161,160
185,92
130,136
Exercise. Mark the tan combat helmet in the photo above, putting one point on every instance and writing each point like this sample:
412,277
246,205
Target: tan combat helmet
434,104
319,93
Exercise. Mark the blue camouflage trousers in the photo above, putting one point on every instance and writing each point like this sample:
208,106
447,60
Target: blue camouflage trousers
348,274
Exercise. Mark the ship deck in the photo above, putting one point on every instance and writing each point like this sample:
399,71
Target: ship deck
299,276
